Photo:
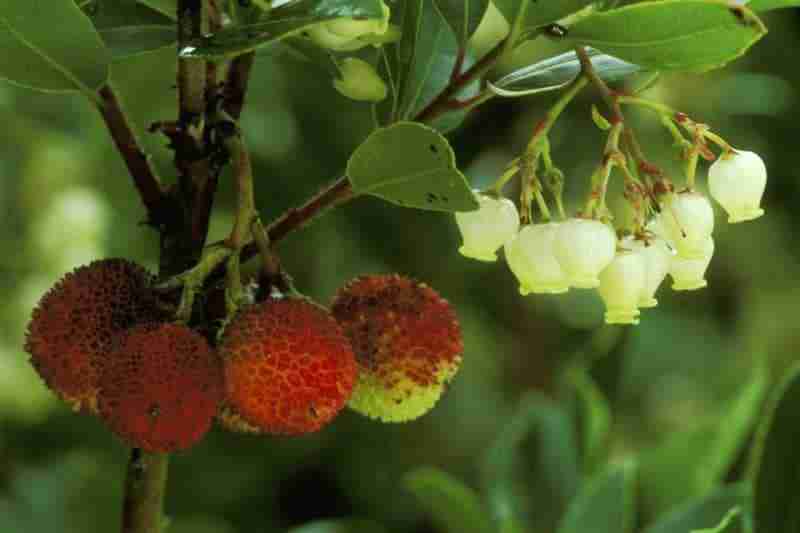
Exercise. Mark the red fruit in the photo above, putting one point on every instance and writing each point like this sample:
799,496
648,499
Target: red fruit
288,368
407,342
73,325
161,387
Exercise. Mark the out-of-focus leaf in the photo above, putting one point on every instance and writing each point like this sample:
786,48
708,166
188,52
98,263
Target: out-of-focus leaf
766,5
593,416
690,463
454,507
672,34
119,13
51,45
463,16
557,72
777,462
540,13
129,41
282,22
411,165
706,512
532,471
345,525
605,504
729,524
168,8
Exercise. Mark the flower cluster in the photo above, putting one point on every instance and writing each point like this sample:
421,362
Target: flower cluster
585,252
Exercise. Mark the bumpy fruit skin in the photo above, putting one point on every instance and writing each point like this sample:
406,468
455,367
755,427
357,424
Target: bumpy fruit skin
73,326
289,369
161,387
407,341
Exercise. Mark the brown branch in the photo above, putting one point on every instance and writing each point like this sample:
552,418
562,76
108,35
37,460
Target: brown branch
144,177
145,485
238,79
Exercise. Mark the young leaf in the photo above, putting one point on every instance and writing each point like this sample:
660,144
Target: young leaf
604,505
411,165
129,41
690,463
729,524
282,22
695,35
557,72
454,507
532,470
463,16
706,512
593,415
540,13
51,45
766,5
342,525
777,500
168,8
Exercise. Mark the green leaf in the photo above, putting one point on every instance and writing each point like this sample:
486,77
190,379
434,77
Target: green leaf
168,8
283,22
454,507
777,475
463,16
343,525
50,45
411,165
766,5
532,471
706,512
690,463
557,72
694,35
129,41
121,13
593,415
729,524
604,505
540,13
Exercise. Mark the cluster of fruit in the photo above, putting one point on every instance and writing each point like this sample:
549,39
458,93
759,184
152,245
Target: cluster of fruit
586,253
387,348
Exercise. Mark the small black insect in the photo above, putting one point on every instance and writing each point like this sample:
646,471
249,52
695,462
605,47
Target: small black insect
556,30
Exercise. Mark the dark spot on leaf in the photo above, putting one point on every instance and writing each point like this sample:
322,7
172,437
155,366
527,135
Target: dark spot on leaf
431,198
434,149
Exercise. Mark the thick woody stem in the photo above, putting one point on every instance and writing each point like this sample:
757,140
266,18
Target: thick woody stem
233,95
144,177
145,485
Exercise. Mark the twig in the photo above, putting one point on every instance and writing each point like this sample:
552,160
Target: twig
143,174
145,486
235,90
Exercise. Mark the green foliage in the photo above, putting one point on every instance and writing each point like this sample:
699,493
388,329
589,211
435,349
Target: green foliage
721,506
36,57
282,22
777,502
346,525
592,413
538,14
129,41
532,470
766,5
382,166
168,8
455,508
463,16
672,34
605,504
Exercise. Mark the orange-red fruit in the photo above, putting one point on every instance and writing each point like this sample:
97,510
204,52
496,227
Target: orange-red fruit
407,343
288,368
161,387
73,325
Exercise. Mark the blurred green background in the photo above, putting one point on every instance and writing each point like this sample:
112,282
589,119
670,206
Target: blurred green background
68,200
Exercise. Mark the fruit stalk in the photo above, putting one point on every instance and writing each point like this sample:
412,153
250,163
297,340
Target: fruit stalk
145,485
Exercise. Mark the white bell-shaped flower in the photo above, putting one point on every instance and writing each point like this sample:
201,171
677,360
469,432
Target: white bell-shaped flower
689,274
360,81
484,231
584,248
737,181
621,285
688,220
657,256
531,259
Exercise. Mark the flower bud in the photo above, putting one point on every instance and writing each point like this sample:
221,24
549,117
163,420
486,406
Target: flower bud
530,257
360,81
737,181
657,256
621,285
348,34
484,231
584,248
688,220
689,274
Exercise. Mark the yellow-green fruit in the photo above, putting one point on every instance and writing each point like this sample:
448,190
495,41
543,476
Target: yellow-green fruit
345,34
359,81
407,343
